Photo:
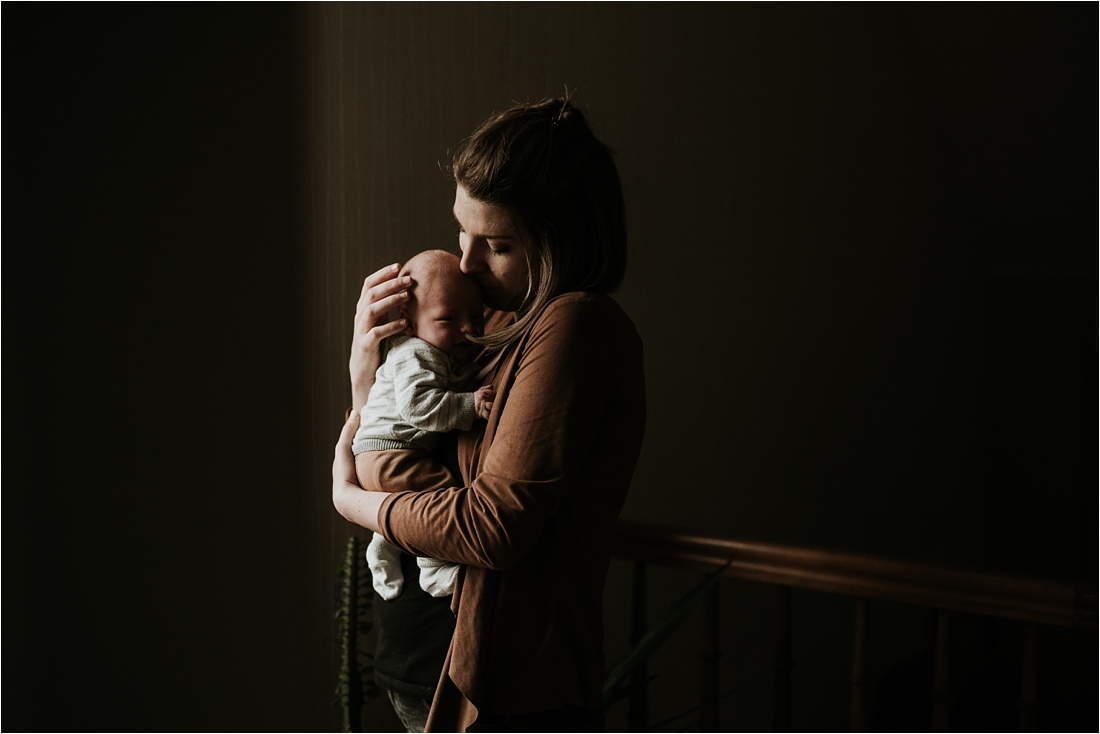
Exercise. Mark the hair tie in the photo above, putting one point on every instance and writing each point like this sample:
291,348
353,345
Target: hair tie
560,117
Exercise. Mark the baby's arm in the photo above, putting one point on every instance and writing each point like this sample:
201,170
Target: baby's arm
423,391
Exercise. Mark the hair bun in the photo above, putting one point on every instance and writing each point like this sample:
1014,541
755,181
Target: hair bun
562,111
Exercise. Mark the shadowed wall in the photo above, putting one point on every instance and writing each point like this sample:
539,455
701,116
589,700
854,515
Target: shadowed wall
866,326
863,257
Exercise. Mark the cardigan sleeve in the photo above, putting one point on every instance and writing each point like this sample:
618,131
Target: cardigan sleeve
547,418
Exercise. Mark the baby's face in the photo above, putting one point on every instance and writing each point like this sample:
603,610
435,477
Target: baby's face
448,312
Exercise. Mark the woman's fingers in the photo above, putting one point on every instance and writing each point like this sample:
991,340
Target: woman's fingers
380,276
367,342
382,290
384,331
375,304
347,433
380,308
374,286
343,463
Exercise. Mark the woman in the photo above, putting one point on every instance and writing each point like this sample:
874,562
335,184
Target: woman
542,229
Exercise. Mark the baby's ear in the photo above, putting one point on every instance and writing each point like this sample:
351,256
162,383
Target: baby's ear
403,313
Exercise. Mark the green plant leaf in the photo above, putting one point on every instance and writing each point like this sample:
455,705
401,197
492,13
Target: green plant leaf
617,683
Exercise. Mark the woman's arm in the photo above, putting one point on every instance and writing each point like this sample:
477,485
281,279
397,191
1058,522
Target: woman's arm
354,504
576,394
382,292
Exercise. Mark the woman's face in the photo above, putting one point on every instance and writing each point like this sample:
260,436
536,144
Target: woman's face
493,251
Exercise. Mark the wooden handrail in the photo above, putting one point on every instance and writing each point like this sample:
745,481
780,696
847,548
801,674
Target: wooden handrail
1043,601
862,577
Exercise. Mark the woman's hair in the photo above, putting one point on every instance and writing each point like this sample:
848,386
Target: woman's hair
542,164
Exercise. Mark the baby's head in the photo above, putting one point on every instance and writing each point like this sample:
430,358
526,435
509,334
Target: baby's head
444,305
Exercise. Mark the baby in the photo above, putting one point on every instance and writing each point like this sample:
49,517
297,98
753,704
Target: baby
421,391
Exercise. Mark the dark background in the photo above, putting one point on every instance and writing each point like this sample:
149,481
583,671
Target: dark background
864,256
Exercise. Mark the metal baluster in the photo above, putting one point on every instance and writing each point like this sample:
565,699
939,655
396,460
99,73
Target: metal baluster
781,712
941,685
638,715
1029,679
709,654
859,669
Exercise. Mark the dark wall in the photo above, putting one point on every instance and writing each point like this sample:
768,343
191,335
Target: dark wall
863,262
862,254
154,550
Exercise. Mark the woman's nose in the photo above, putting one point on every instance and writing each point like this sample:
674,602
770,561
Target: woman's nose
470,262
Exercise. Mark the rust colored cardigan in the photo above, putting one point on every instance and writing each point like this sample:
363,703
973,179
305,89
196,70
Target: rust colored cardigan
546,477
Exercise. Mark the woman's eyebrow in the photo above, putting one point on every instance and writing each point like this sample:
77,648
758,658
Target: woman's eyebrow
454,216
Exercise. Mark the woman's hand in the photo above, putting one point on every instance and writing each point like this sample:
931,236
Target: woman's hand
382,292
351,500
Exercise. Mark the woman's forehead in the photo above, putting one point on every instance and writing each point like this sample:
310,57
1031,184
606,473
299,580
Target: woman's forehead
491,218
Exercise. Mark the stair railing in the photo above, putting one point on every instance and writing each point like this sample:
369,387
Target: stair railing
948,591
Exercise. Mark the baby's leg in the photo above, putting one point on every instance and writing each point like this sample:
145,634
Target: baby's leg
384,562
395,470
437,577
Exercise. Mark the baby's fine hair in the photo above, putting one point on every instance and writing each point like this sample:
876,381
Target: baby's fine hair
429,266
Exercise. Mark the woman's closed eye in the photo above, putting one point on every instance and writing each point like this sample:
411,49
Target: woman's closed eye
494,245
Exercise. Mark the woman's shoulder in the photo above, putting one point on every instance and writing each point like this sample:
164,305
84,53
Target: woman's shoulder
582,313
586,305
589,332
